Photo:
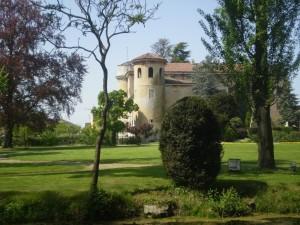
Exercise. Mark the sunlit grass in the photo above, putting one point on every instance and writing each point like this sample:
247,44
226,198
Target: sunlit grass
67,169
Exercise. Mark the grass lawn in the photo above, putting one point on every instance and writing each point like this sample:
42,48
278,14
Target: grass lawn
130,168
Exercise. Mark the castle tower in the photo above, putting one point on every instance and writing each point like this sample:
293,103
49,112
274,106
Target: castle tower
125,78
149,88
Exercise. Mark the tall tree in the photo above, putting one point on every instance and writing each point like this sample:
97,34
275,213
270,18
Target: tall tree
180,52
162,48
119,108
40,84
256,39
101,20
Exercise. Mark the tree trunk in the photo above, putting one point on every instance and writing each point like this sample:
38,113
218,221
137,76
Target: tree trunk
113,138
265,138
8,135
100,138
261,88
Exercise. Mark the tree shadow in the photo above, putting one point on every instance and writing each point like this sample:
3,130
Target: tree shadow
129,160
47,148
250,167
246,188
146,172
7,155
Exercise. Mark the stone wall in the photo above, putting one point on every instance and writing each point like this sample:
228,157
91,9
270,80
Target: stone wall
175,92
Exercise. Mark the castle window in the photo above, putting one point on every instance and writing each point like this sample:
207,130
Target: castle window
151,93
160,72
139,73
150,72
151,121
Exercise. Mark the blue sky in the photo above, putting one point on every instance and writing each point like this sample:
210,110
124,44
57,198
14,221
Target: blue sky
176,20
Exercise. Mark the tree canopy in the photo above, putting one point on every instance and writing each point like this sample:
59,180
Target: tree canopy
39,83
162,48
119,108
180,52
257,41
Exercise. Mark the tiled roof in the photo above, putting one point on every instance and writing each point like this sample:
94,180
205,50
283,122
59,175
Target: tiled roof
179,67
149,57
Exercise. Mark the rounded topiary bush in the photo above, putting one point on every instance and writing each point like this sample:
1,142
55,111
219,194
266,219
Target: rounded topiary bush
190,143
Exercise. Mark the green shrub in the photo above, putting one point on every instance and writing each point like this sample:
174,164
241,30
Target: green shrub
230,134
53,207
48,206
278,200
286,135
190,143
134,140
228,203
104,206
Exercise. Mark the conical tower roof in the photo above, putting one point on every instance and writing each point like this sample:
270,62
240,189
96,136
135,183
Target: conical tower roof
149,57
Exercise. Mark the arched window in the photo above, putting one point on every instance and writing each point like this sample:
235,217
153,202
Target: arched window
150,72
160,72
139,73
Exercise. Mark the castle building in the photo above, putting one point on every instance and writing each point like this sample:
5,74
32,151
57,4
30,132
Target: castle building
154,85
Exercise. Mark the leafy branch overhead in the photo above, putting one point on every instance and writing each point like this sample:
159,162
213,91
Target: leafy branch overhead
102,19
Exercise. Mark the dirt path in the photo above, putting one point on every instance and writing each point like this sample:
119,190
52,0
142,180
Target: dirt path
106,166
103,166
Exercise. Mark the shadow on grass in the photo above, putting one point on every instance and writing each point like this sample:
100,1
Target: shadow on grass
145,160
147,171
246,188
8,154
250,167
70,147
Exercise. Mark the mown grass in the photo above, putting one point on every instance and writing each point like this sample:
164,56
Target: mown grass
67,169
50,184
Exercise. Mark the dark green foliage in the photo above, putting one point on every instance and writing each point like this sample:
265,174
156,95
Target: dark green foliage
134,140
286,134
119,108
258,41
278,199
234,130
3,79
62,133
48,206
88,135
54,207
179,53
225,108
228,203
190,143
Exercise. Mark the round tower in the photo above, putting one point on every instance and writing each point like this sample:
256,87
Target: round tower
123,74
149,88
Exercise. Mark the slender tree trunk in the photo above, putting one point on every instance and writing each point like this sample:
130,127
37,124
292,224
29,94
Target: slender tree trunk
100,138
265,138
8,135
113,138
